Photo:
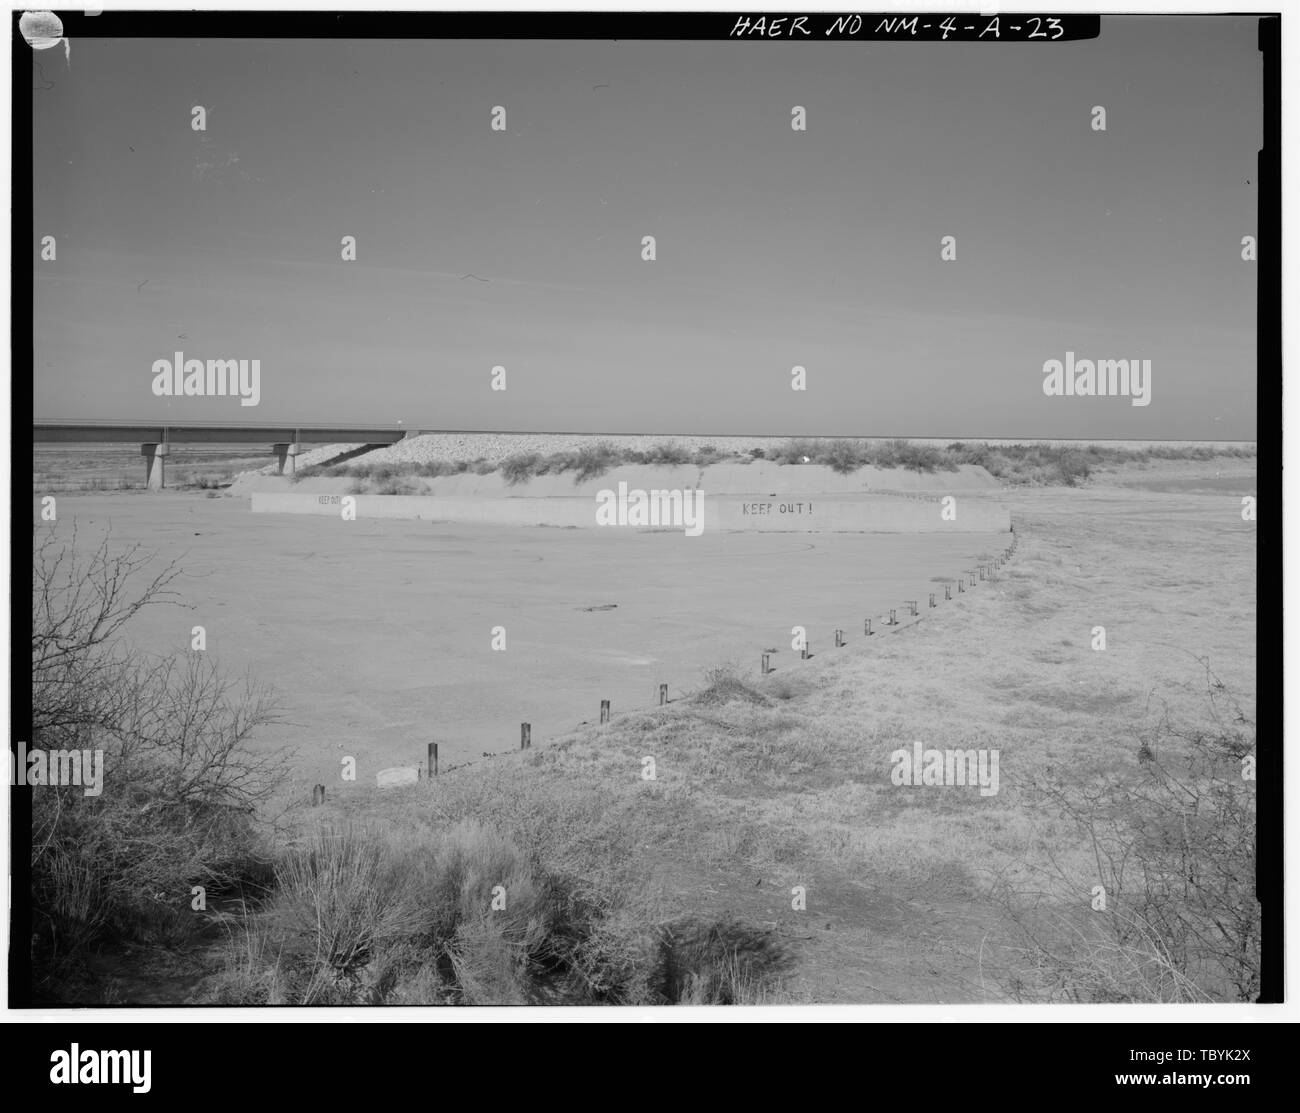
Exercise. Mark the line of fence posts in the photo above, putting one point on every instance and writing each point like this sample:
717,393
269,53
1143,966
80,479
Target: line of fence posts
526,729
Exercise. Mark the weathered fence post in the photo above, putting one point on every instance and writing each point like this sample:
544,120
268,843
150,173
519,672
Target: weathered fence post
839,638
866,626
947,591
663,694
893,618
317,796
932,602
911,606
433,759
766,667
604,711
803,652
525,735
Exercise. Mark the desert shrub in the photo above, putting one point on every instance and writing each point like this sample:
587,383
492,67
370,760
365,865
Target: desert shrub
460,918
398,470
395,486
668,454
917,457
179,787
339,902
1025,464
1073,468
723,684
594,460
996,464
520,467
462,915
45,482
557,463
795,450
353,471
1169,832
209,482
843,456
433,469
720,962
977,454
706,455
885,455
1035,464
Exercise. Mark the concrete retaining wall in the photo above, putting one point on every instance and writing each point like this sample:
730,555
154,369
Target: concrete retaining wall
761,513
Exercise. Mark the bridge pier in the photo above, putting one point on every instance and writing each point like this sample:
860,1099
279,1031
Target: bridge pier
286,455
155,455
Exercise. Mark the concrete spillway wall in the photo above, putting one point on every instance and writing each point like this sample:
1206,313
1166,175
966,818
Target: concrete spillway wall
834,513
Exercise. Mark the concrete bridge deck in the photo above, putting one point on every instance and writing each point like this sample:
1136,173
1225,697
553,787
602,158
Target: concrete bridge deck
155,438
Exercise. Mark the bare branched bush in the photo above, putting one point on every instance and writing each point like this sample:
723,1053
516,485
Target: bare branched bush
1170,835
180,789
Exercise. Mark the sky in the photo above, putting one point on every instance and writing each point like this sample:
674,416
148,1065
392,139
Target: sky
775,248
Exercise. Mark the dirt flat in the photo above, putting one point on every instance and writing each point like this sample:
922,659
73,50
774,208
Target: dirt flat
378,634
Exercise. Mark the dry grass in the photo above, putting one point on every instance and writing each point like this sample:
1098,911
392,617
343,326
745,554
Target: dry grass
769,787
461,915
762,784
1020,464
64,468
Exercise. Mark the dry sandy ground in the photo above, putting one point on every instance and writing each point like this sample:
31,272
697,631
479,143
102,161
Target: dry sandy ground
378,633
378,655
750,802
